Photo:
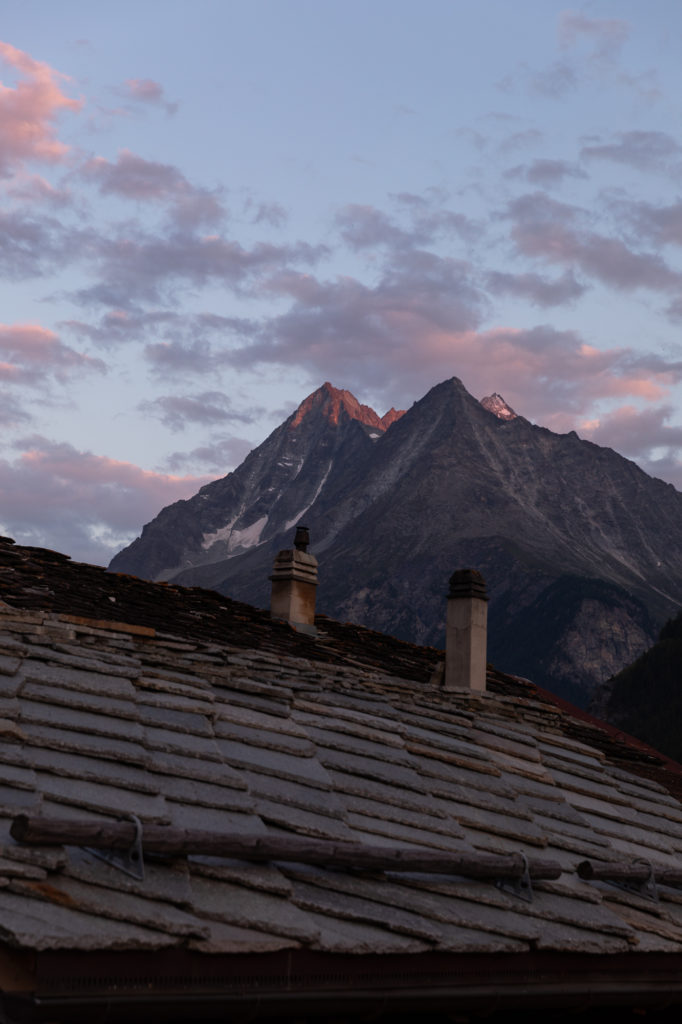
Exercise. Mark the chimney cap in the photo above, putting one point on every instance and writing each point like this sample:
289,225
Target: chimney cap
302,538
467,583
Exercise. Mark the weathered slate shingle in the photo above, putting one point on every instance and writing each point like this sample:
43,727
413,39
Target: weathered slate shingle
193,711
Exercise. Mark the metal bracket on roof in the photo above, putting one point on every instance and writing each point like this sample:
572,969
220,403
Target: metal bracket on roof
647,889
129,861
520,887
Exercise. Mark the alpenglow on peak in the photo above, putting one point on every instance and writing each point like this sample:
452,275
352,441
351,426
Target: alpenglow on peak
333,403
498,407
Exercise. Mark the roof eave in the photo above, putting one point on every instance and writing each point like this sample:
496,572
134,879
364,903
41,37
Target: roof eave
76,985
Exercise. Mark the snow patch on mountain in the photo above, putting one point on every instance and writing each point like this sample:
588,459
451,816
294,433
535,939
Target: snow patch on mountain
209,539
297,518
249,537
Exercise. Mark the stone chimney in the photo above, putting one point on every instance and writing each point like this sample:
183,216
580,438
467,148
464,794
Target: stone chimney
466,632
294,582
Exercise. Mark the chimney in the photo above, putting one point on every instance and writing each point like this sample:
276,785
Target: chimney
294,581
466,632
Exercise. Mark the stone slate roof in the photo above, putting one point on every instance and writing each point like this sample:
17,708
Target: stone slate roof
121,697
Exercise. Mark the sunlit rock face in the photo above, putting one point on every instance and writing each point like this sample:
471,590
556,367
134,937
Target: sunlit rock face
580,549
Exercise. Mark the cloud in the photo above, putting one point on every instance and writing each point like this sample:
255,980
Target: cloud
208,409
146,90
132,177
540,291
31,246
420,323
553,376
188,347
119,326
554,81
29,111
607,35
596,44
36,190
272,214
171,358
674,311
219,456
635,432
590,53
645,150
56,495
363,227
547,230
138,266
640,434
661,225
31,354
173,340
520,140
546,172
12,412
370,336
366,227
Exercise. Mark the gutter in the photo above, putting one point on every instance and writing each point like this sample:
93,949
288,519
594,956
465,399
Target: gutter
175,986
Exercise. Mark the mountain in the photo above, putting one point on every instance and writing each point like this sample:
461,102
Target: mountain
325,438
581,550
645,698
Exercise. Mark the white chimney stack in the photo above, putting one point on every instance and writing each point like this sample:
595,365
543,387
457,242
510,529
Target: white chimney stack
294,584
466,632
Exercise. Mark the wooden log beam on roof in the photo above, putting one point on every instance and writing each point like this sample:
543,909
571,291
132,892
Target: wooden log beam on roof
177,842
627,871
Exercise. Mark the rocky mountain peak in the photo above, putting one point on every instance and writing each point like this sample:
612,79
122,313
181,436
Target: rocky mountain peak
498,407
391,416
337,403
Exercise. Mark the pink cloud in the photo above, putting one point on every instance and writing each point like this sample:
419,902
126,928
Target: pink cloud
34,189
29,110
84,504
30,354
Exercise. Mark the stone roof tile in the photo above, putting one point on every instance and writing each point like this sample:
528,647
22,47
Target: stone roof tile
200,712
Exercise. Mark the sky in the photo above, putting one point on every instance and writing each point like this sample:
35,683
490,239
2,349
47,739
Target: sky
208,209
